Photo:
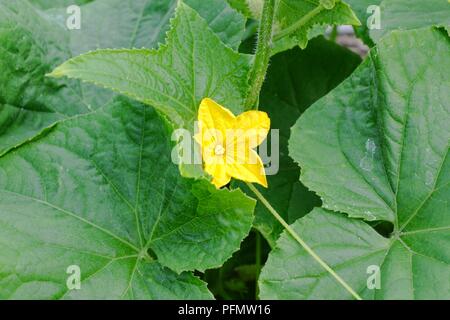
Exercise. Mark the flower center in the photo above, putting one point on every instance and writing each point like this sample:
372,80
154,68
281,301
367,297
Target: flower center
219,150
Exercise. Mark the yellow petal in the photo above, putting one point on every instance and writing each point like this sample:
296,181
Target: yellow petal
255,126
250,169
213,117
219,174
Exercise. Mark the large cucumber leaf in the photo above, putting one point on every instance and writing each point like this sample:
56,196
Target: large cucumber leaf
100,191
193,64
295,80
349,246
144,23
28,101
376,148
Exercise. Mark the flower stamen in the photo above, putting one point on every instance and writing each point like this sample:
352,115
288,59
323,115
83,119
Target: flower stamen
219,150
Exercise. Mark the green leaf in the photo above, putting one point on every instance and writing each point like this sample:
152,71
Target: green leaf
377,148
250,8
101,192
31,102
242,6
118,24
296,79
298,20
328,4
360,7
144,23
411,14
226,22
382,110
348,245
194,64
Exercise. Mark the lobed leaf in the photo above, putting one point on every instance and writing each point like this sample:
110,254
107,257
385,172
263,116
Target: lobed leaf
193,64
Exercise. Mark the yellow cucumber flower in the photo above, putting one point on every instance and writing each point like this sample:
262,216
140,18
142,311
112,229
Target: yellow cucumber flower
227,142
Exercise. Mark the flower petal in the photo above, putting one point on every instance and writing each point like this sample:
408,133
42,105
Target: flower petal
219,174
213,117
250,169
255,126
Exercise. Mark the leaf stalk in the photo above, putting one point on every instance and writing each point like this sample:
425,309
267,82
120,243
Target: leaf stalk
302,242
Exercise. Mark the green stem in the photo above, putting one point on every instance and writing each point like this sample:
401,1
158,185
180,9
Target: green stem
262,55
301,242
257,261
300,23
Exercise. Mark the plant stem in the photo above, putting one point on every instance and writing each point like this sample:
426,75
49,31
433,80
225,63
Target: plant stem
257,260
300,23
262,55
301,242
